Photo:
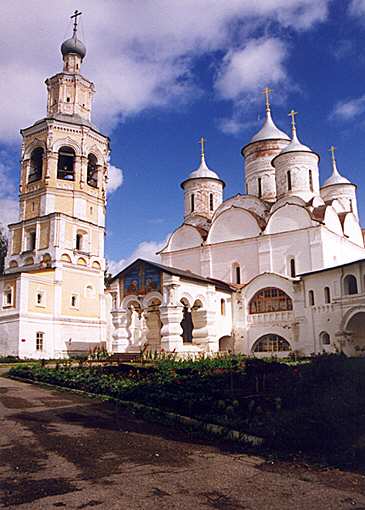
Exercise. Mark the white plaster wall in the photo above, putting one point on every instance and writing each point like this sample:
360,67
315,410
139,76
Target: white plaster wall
202,188
299,164
231,224
344,193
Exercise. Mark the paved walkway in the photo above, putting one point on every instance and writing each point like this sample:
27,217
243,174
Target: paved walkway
58,450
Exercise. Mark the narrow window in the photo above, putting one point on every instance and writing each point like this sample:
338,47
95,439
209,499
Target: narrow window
192,199
327,295
39,298
8,296
211,205
74,301
238,274
292,268
288,175
92,171
350,202
30,240
68,99
78,242
36,164
311,298
223,307
66,164
310,180
39,341
259,187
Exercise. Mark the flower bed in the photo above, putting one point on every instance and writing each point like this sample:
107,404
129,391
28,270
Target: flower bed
316,407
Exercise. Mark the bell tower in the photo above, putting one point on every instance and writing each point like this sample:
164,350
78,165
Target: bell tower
62,201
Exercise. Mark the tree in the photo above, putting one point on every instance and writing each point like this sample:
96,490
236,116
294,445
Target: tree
3,249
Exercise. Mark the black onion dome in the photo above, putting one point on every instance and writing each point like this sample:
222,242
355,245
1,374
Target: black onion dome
73,45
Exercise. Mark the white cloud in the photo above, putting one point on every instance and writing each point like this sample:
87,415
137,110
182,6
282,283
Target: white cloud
139,54
349,109
260,63
8,199
146,250
115,178
357,7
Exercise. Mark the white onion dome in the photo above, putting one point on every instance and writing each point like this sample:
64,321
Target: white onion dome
73,45
336,177
296,145
269,130
203,172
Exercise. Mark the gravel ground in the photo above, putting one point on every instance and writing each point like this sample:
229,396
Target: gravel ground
59,450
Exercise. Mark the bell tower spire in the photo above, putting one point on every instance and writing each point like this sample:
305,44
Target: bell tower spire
70,93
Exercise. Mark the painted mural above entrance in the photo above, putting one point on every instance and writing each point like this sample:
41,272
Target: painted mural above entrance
141,278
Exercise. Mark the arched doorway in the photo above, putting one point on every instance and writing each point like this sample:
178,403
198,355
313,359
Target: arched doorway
226,344
187,322
153,325
356,331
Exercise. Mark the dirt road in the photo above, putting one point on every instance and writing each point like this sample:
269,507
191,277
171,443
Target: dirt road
59,450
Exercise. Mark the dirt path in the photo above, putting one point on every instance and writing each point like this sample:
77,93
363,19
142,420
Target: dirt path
58,450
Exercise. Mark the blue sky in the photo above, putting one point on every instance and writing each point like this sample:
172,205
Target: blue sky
168,72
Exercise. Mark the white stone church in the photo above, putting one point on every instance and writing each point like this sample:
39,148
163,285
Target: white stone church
278,270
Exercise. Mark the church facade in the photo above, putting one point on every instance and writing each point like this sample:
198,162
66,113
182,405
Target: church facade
279,269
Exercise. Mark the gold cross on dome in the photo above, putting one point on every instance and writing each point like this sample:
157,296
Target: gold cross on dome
75,15
267,91
292,114
202,142
332,150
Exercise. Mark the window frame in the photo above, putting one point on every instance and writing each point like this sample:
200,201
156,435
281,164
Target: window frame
274,340
39,341
270,300
75,306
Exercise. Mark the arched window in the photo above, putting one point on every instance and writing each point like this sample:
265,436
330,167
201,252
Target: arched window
311,180
350,285
324,338
79,241
211,203
311,298
259,187
192,202
36,165
223,307
269,300
292,268
92,171
66,164
288,177
271,343
327,295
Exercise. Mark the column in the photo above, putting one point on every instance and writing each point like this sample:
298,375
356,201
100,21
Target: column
171,313
120,320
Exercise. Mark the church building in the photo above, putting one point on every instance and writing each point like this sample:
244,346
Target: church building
53,290
276,270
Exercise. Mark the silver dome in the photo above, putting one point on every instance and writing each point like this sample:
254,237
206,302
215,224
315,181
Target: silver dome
269,131
73,45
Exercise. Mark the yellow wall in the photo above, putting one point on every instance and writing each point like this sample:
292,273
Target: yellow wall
75,282
44,282
32,208
64,204
69,243
44,235
16,241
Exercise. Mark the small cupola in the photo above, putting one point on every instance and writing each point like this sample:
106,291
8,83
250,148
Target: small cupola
73,50
296,168
337,187
203,189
